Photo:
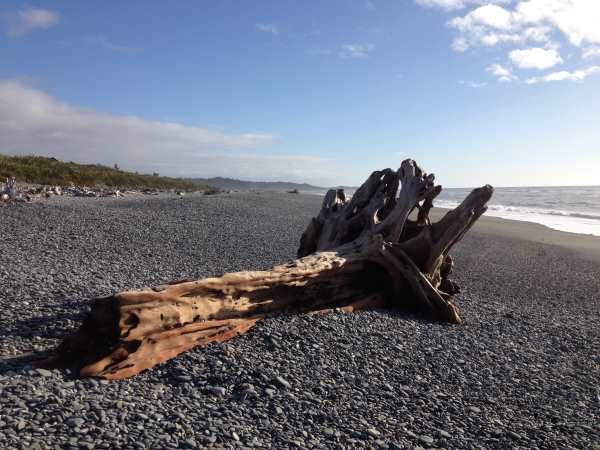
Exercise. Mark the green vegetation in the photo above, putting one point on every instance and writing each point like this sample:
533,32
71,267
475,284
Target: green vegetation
212,191
42,170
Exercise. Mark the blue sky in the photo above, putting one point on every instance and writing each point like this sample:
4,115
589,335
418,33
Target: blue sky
504,92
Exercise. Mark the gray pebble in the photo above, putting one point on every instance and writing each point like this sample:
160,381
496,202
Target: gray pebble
216,390
283,382
44,372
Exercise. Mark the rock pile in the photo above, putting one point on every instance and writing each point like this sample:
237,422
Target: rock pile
11,194
84,191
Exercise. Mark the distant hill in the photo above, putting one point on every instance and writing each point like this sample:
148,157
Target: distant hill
51,171
231,184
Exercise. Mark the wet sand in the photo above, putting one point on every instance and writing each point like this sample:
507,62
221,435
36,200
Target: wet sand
585,245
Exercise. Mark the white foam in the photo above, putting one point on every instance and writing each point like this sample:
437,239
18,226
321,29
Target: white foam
569,221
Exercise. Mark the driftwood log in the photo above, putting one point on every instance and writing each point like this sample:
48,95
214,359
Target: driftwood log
8,192
356,254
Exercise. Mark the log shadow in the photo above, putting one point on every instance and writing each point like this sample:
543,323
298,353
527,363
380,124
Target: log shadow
47,327
19,363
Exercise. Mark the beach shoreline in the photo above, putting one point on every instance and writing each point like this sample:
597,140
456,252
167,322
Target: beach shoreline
586,245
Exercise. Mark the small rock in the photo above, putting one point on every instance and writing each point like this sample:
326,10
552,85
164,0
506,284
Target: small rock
444,434
270,392
426,439
216,390
283,382
75,422
44,372
373,432
189,443
474,409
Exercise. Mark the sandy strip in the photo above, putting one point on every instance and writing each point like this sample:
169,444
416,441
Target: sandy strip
586,245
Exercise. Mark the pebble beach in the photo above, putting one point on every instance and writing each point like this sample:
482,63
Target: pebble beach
522,372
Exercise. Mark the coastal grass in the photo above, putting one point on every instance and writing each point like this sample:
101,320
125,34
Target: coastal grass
51,171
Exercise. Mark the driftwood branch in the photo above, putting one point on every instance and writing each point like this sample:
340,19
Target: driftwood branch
8,193
355,254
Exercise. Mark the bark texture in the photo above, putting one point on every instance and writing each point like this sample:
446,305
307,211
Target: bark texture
355,254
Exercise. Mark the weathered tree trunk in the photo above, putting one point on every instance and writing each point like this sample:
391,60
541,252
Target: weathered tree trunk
357,254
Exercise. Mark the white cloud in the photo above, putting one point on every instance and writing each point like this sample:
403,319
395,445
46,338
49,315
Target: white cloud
502,73
490,25
476,36
30,19
460,44
32,121
535,58
268,28
577,75
590,52
492,16
542,25
457,4
579,20
536,34
104,42
446,4
356,50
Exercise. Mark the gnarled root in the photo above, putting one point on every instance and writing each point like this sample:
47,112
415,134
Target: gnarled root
357,254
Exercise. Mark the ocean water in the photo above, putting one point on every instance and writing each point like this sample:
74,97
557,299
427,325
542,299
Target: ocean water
575,209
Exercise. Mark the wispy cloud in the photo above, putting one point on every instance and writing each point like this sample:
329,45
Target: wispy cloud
30,19
31,121
591,52
268,28
356,50
502,73
105,43
577,75
457,4
251,166
474,84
